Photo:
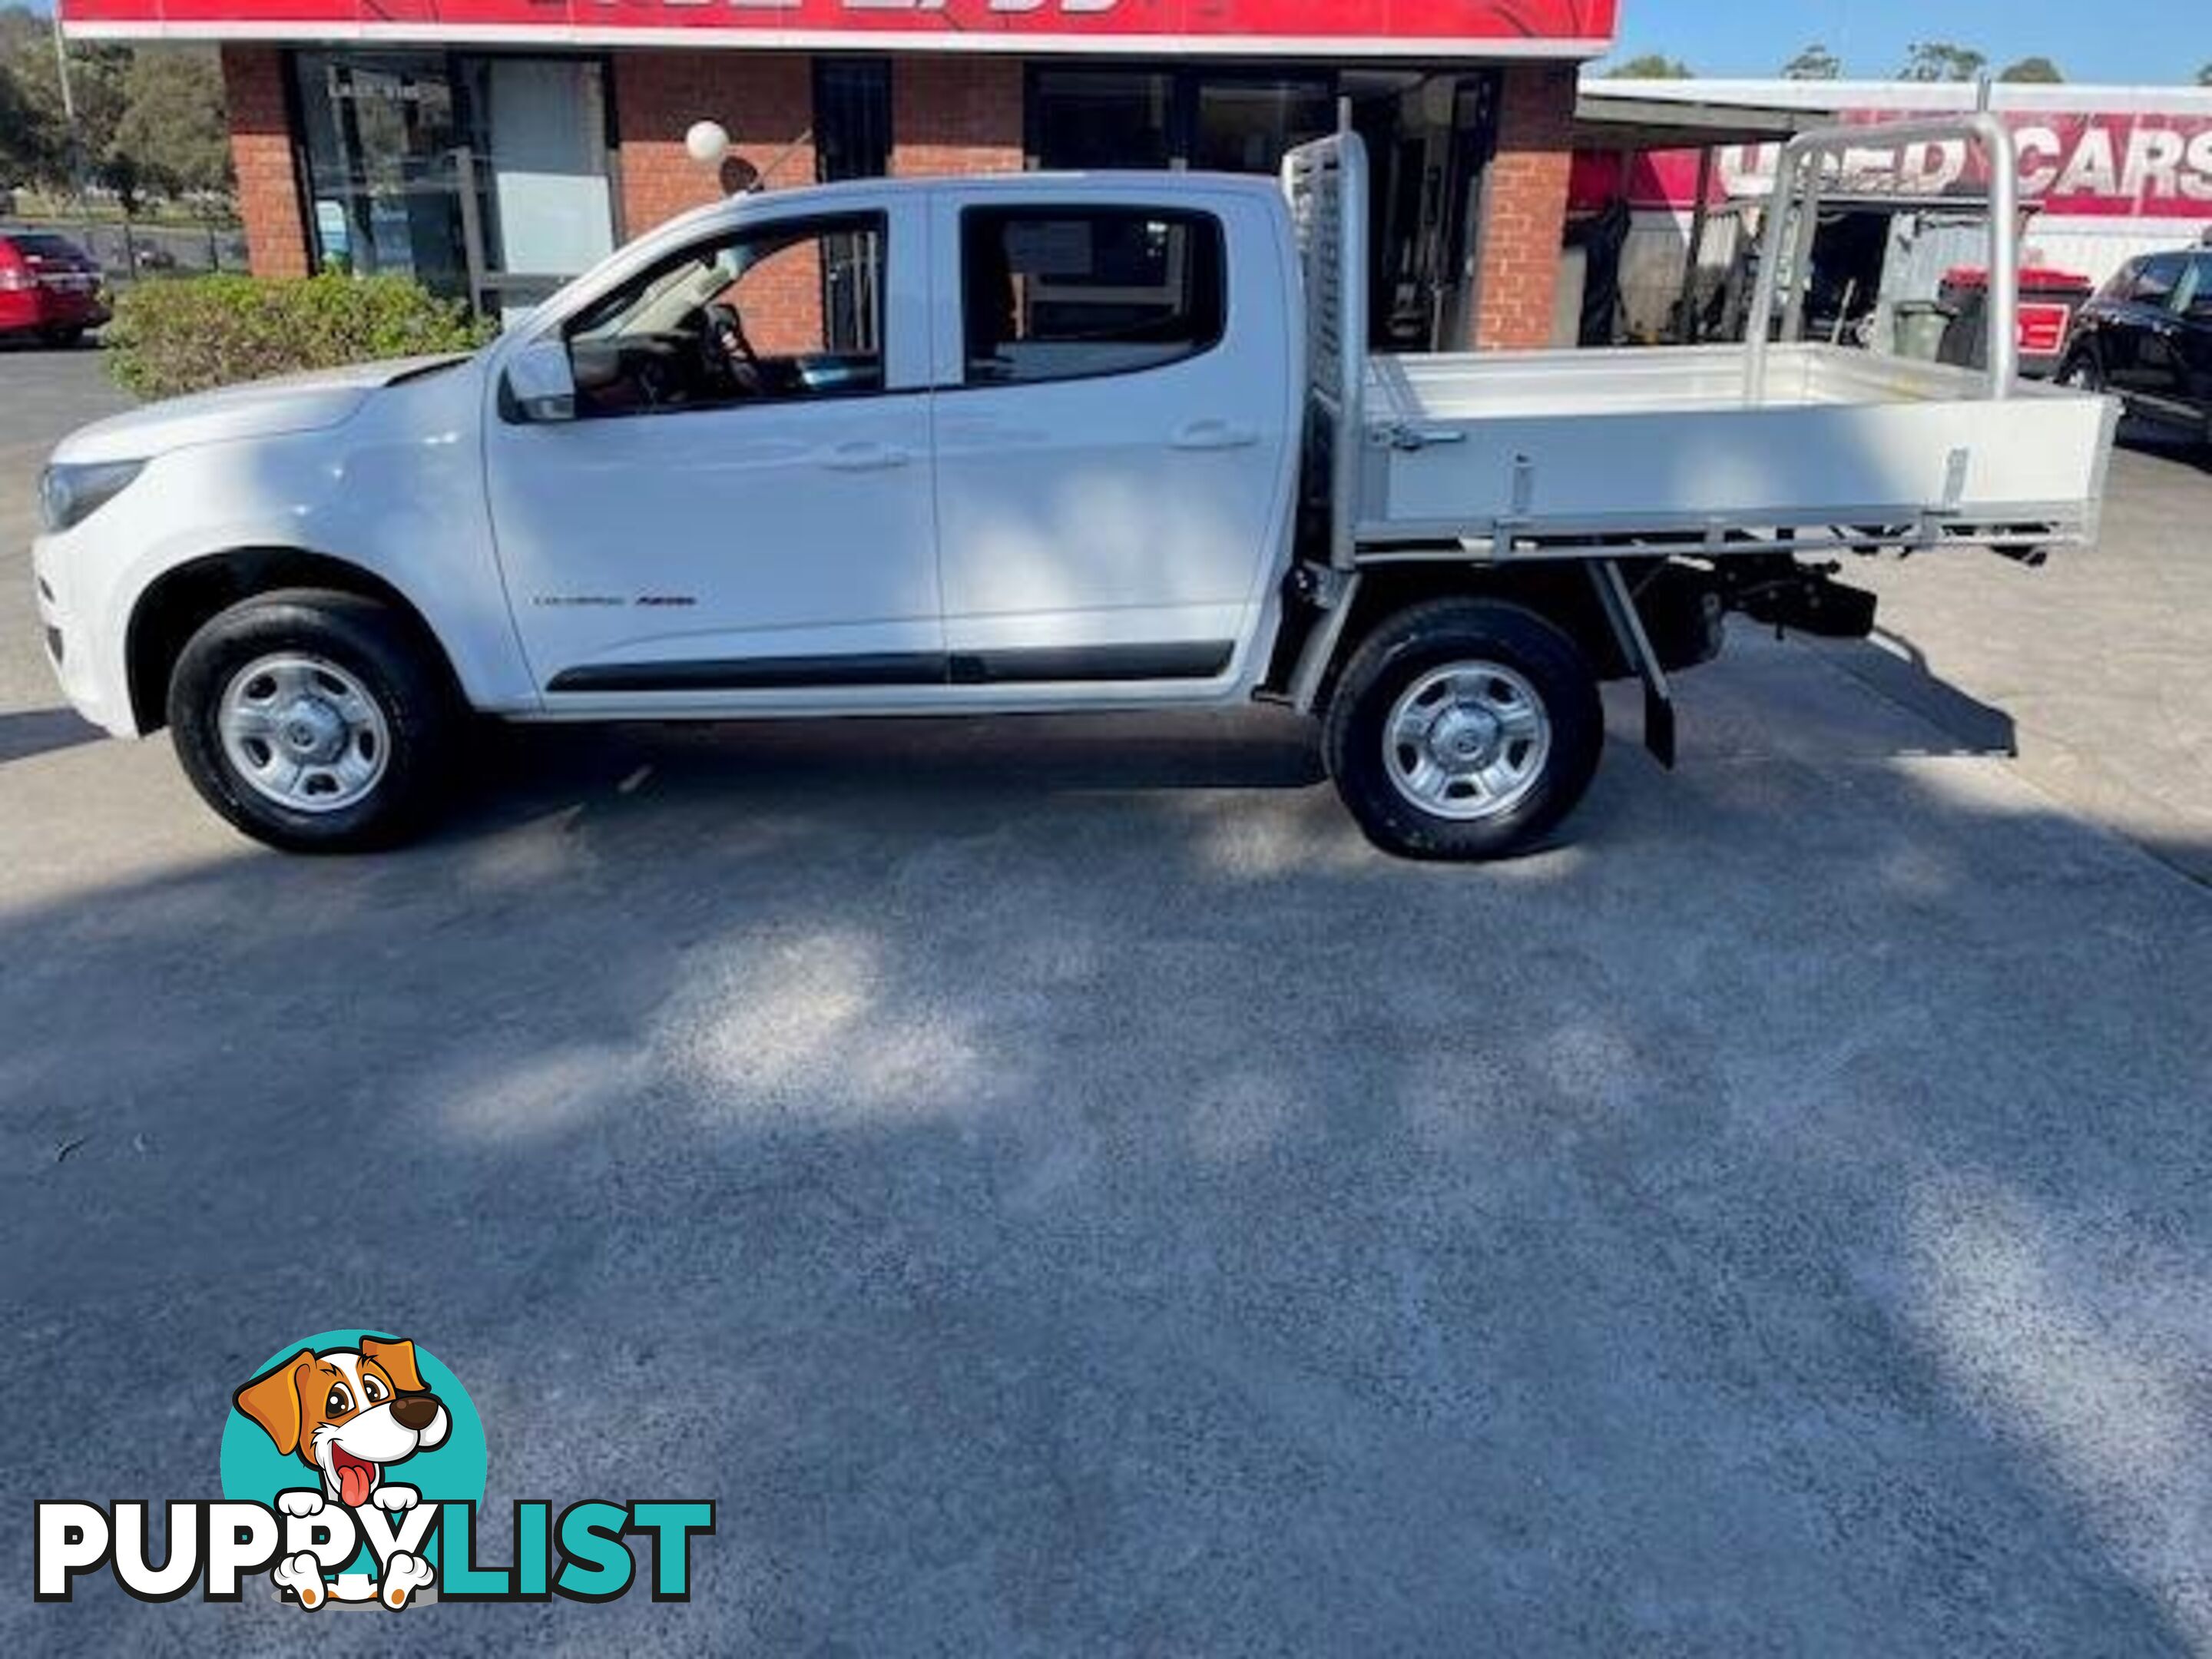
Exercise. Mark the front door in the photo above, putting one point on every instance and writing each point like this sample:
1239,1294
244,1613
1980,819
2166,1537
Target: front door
742,507
2174,344
1112,440
2193,345
2135,358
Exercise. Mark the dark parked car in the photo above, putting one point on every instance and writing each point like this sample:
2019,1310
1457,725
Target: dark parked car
49,286
2147,336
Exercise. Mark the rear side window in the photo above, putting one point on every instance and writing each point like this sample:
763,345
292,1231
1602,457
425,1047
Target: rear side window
1060,294
44,245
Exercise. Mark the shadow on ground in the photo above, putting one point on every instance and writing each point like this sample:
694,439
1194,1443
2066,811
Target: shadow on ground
29,732
1067,1194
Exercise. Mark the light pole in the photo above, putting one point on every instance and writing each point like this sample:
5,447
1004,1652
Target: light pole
68,107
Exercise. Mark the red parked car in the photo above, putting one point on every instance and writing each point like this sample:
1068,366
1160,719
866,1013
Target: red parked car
49,286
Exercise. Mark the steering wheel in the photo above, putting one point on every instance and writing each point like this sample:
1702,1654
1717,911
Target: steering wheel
722,341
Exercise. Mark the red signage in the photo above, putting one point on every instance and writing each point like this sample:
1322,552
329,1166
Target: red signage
1427,28
2098,164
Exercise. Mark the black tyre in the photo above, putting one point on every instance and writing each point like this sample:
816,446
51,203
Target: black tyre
315,721
62,338
1463,729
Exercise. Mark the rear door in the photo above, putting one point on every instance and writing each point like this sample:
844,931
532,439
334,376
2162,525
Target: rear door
1113,433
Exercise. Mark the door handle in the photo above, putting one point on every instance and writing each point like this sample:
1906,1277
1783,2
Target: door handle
1210,434
865,456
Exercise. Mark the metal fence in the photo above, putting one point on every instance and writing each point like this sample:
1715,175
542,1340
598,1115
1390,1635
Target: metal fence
129,250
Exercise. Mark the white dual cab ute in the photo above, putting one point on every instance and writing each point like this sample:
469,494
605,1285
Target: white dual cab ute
1032,443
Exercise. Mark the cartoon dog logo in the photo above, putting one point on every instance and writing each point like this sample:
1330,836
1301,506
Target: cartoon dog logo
350,1414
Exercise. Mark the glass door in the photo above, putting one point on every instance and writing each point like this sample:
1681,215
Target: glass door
540,211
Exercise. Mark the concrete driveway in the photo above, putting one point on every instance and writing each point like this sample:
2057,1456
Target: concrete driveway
1059,1192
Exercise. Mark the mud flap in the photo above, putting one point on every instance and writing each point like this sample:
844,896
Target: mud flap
1635,645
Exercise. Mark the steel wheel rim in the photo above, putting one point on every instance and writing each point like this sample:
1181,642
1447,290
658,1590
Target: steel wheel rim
1467,741
303,733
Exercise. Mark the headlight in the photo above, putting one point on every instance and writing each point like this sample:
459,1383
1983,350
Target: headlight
68,495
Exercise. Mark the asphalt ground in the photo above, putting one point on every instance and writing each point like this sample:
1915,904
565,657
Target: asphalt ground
1059,1191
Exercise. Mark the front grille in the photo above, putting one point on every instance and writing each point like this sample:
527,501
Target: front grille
54,645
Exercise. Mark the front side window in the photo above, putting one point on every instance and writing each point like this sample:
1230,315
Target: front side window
1063,293
2155,281
771,314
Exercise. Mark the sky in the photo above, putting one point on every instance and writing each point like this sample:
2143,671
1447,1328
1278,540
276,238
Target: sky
2159,40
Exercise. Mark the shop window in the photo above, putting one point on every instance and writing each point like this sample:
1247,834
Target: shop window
851,118
380,136
1222,120
772,314
1247,125
483,178
537,171
1067,294
1086,119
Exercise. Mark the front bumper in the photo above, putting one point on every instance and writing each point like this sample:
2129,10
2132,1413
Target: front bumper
93,688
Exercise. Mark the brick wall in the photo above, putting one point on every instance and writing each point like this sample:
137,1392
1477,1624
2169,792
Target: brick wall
765,102
955,115
1524,208
261,152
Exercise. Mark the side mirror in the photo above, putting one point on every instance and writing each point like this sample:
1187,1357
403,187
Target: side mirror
541,383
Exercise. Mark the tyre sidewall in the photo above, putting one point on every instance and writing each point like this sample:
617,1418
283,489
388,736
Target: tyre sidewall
1433,636
360,637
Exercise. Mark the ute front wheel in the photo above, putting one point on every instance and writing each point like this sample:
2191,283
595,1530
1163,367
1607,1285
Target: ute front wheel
314,721
1463,729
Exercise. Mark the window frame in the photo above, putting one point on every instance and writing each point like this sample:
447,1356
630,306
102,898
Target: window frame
1078,207
789,230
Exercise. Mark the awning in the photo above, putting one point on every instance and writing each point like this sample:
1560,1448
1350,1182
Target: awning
1619,122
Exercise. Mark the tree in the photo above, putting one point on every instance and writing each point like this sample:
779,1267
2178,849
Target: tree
173,129
1815,62
2038,70
31,135
1650,66
1939,60
26,145
97,78
53,151
2204,75
146,121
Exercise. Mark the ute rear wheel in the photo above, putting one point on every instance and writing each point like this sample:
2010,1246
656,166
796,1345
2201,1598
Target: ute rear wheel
1463,729
313,720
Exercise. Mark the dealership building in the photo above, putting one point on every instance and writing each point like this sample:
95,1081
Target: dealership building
493,147
2103,173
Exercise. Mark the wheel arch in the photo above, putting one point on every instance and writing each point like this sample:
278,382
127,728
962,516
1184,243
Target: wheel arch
178,602
1559,591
